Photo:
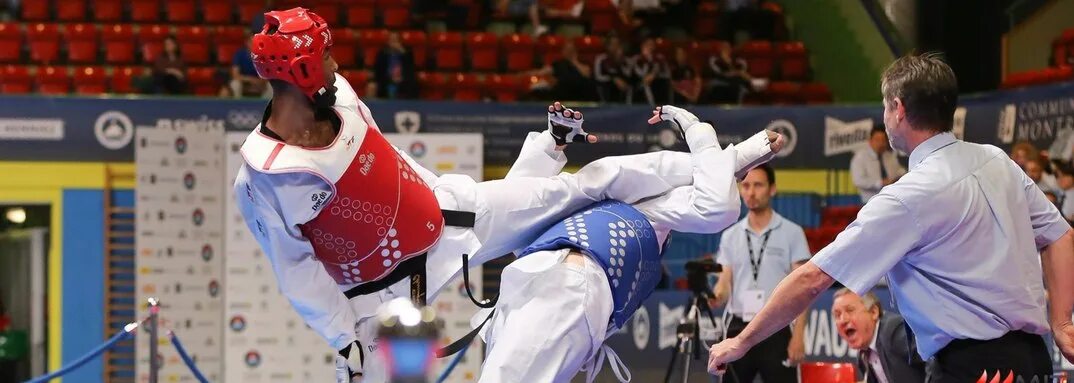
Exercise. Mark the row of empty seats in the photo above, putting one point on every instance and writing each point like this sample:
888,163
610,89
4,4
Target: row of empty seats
116,44
358,13
89,80
119,43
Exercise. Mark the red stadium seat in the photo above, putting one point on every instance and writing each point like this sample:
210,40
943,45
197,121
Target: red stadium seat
123,79
505,88
329,10
70,10
395,13
550,48
484,51
358,79
53,80
783,92
603,16
759,57
10,42
371,41
83,41
15,80
109,11
701,52
248,9
467,86
44,41
90,80
705,24
145,11
217,11
816,93
793,61
118,42
151,39
194,43
181,11
664,47
827,372
519,51
417,43
34,10
202,81
345,47
432,86
361,14
589,47
227,41
447,48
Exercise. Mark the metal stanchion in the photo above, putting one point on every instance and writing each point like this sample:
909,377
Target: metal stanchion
152,329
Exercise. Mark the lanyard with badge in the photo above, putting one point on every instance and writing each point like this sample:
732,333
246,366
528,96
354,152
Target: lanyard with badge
753,299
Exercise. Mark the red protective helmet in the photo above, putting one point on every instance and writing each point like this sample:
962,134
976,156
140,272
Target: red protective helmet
291,47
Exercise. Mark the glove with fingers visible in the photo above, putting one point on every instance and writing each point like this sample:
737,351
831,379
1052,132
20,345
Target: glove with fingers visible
680,118
349,362
565,125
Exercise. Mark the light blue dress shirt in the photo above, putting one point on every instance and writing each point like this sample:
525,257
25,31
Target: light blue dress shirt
786,246
958,238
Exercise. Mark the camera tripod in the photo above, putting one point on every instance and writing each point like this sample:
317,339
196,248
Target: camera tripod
689,333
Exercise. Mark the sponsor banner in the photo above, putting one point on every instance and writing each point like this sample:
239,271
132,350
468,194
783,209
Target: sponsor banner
179,234
101,129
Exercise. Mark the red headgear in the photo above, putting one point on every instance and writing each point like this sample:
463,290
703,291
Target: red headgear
291,48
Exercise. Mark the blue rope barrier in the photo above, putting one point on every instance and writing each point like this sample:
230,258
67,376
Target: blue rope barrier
121,335
454,362
186,358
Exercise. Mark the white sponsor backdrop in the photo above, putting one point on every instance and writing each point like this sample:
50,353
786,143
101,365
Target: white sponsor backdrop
253,328
179,205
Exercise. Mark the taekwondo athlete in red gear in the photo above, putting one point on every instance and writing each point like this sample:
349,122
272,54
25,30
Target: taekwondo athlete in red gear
568,281
337,209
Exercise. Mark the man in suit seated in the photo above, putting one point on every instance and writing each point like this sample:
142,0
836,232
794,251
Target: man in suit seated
884,353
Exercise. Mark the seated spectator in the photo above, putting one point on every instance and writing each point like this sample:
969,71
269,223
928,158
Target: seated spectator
1022,152
729,78
685,79
1035,170
169,70
651,71
743,20
574,79
520,8
393,72
244,81
612,72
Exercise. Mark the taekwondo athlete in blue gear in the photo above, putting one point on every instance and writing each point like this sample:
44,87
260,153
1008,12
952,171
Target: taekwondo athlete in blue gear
579,288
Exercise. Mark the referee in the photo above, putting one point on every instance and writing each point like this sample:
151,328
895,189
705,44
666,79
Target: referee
756,253
967,241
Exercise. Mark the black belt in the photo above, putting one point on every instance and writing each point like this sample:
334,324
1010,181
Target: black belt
413,267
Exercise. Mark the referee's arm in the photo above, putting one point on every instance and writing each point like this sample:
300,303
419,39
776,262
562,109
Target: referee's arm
1058,262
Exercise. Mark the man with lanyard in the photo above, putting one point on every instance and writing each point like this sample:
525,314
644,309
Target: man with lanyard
756,253
968,242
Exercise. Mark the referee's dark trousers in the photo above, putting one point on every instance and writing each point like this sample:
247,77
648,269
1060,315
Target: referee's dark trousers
766,358
1017,353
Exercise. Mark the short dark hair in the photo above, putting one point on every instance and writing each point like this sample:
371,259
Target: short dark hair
878,128
769,173
927,87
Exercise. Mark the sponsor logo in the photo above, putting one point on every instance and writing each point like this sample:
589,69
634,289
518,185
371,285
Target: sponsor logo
1005,126
845,137
367,163
447,149
188,181
199,217
37,129
790,134
319,200
418,149
407,122
214,288
113,129
253,358
641,328
237,323
180,145
206,253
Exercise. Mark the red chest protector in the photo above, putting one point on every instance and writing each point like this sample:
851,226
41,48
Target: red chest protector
381,212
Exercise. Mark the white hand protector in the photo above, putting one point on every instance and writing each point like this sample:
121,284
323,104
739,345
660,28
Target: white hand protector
679,118
565,125
757,150
349,363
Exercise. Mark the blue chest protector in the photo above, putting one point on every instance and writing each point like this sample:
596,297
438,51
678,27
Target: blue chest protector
621,240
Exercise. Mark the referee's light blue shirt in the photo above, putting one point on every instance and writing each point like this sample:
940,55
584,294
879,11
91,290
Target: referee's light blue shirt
958,237
786,246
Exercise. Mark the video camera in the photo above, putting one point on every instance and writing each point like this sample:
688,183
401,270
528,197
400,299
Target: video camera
697,276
